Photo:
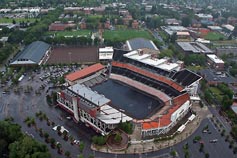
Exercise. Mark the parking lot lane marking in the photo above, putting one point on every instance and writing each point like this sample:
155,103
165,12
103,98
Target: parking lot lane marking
212,124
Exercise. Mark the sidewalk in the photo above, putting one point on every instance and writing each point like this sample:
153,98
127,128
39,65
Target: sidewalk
152,146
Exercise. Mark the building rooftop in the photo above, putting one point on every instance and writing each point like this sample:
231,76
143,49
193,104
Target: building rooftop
229,27
212,76
182,33
149,59
194,47
215,28
138,43
173,29
106,49
84,72
33,52
201,15
110,115
88,94
215,59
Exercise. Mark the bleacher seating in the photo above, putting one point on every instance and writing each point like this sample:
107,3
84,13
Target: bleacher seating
146,80
185,77
118,56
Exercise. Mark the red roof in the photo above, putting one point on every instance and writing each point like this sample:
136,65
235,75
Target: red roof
165,120
84,72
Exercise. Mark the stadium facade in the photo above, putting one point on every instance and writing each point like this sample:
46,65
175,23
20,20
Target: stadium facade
172,89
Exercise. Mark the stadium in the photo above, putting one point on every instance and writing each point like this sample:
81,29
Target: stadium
152,93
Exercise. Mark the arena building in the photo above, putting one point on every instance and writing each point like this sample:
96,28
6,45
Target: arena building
37,53
152,97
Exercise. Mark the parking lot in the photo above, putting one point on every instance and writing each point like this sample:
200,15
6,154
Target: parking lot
29,97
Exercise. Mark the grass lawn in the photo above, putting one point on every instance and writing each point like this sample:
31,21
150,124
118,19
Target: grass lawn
123,35
70,33
7,20
195,68
217,93
214,36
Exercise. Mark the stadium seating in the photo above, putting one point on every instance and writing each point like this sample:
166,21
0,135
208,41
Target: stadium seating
146,80
185,77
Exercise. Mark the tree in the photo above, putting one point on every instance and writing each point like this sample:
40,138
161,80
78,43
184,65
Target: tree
234,131
186,21
81,146
52,141
67,153
207,155
59,129
65,136
28,147
173,153
117,138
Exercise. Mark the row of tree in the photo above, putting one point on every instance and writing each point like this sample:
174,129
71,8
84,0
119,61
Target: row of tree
13,143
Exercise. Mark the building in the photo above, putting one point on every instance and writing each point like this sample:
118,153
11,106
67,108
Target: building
214,77
215,62
60,26
80,76
173,88
170,30
228,28
172,21
183,36
91,108
135,24
36,53
215,28
228,50
193,48
207,17
170,91
139,43
106,53
150,58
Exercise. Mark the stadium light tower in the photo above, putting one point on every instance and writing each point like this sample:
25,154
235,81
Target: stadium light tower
121,110
70,58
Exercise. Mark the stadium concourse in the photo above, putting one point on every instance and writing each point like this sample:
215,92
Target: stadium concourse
151,95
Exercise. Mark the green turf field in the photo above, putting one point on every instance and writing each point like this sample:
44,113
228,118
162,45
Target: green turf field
214,36
123,35
71,33
7,20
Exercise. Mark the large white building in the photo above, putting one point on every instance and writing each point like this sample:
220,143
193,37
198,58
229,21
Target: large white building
106,53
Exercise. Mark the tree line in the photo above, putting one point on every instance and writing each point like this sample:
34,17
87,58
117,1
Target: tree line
13,143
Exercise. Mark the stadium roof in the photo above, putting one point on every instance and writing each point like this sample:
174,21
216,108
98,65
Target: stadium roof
110,115
90,95
138,43
84,72
194,47
148,59
32,53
